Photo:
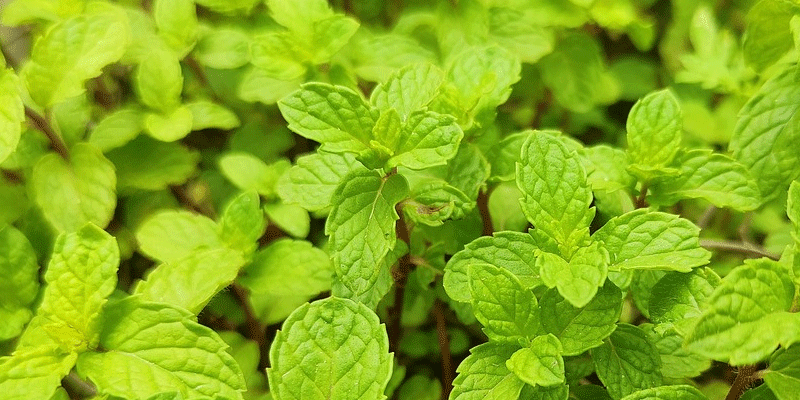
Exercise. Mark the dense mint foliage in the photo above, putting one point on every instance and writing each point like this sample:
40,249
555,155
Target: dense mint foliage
413,200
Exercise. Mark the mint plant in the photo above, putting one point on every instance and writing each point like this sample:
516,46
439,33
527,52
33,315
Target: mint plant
310,199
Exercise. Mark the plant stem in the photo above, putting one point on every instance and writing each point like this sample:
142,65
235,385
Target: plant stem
744,378
404,267
640,201
483,208
43,126
77,388
444,349
255,330
738,247
705,219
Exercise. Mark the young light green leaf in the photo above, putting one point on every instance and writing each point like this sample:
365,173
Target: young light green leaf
580,329
242,223
504,208
768,36
510,250
606,168
313,179
627,362
159,80
72,51
508,311
117,129
171,235
223,48
483,76
12,112
484,375
679,299
169,126
716,178
330,349
676,361
71,193
248,172
148,164
672,392
176,21
793,207
34,372
514,31
165,344
299,16
361,228
557,197
206,114
19,281
579,278
258,84
229,6
654,130
643,239
766,132
191,282
290,218
540,364
337,117
748,316
761,392
409,89
328,36
574,72
288,267
82,272
426,139
783,376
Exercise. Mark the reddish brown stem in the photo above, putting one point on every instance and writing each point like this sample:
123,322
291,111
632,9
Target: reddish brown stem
444,349
744,378
40,123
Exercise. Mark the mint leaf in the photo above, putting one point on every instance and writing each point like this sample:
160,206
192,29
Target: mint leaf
627,362
580,329
223,47
329,36
673,392
288,267
676,361
765,133
159,80
330,349
12,112
171,235
229,6
748,316
679,299
540,364
557,197
643,239
579,278
715,178
514,31
191,282
290,218
19,281
206,114
81,273
507,310
165,344
169,126
769,35
783,376
148,164
176,21
574,71
337,117
248,172
71,193
654,130
361,229
409,89
299,16
484,375
482,77
313,179
34,372
509,250
426,139
242,223
117,128
72,51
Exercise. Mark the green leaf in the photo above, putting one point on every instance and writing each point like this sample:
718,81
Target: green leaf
509,250
117,129
420,387
557,197
313,179
242,223
34,372
261,85
654,130
768,35
171,235
171,126
72,51
166,345
21,12
229,6
337,117
514,31
766,131
482,77
507,310
148,164
19,281
504,208
484,375
12,112
716,178
761,392
748,315
81,273
330,349
540,364
644,239
793,207
409,89
206,114
579,278
627,362
361,228
223,47
248,172
159,80
290,218
676,361
679,299
299,16
673,392
426,139
288,267
191,282
606,168
329,35
176,21
574,71
580,329
71,193
783,376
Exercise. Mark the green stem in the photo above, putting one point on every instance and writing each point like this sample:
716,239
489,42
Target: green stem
738,247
